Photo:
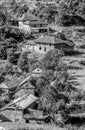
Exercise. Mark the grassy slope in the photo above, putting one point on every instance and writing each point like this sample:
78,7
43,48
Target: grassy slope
31,126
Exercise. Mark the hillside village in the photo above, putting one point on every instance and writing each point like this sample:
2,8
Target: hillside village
42,66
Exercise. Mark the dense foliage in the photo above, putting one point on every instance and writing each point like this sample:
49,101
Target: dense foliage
63,12
23,62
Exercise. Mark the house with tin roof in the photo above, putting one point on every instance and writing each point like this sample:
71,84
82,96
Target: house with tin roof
14,111
32,23
48,42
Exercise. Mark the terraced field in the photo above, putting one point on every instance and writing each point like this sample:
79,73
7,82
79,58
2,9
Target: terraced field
76,63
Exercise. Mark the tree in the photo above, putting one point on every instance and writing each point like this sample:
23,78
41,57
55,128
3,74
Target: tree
3,15
51,59
23,62
41,83
11,43
2,74
53,87
3,51
11,31
71,12
34,62
8,68
11,56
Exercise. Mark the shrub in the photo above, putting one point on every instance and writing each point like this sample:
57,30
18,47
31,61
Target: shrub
23,62
8,68
11,56
51,59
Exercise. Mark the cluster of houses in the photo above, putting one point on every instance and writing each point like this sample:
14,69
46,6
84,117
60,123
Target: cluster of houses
25,100
46,40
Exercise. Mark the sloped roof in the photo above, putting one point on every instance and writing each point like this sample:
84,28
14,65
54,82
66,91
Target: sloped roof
3,86
51,40
46,39
30,42
26,101
21,102
28,85
31,17
28,78
25,80
4,118
38,22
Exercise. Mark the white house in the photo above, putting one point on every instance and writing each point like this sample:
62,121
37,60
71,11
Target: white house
49,42
31,23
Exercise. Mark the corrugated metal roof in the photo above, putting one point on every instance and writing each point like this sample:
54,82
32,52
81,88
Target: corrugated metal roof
21,102
26,101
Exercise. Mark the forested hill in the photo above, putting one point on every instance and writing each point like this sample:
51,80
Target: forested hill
63,12
67,12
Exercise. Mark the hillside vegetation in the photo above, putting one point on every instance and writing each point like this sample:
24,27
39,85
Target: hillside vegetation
52,88
63,12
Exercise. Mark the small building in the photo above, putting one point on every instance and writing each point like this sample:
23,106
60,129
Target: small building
32,24
48,42
14,111
26,86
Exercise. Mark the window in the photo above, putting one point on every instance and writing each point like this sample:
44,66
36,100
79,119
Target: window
44,49
40,48
34,25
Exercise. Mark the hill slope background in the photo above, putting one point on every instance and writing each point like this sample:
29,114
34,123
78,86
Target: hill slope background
63,12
